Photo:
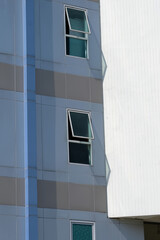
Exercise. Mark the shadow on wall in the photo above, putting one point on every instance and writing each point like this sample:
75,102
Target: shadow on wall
102,62
108,171
104,66
100,169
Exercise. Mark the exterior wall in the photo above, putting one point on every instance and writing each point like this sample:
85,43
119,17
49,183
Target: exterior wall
37,84
12,163
130,39
69,191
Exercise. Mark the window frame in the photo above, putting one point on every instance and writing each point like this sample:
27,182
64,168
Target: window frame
76,37
79,142
82,223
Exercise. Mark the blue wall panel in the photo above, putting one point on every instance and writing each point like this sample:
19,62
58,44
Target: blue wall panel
12,133
55,224
11,41
50,25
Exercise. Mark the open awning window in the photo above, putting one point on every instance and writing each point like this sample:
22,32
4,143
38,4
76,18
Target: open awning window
81,126
77,20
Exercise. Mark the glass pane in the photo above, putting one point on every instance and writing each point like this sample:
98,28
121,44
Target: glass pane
82,232
78,20
76,47
81,125
79,153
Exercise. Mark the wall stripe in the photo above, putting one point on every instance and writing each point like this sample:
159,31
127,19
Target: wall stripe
71,196
12,191
11,77
69,86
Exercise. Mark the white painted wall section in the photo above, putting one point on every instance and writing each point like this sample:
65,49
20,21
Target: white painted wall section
131,46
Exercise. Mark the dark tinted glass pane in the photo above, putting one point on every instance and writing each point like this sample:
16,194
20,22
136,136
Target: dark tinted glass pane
78,20
81,124
71,137
79,153
82,232
76,47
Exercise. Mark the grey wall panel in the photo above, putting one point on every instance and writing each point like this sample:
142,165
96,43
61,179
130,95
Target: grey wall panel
64,195
39,135
56,229
12,191
95,52
49,83
131,231
51,12
98,150
117,230
12,227
95,1
11,77
54,138
12,222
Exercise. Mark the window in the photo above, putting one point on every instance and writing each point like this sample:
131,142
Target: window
82,231
80,135
77,30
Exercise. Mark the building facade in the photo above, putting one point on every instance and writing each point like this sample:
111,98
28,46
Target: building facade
58,166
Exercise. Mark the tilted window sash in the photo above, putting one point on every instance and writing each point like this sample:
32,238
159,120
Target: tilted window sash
80,135
77,20
81,126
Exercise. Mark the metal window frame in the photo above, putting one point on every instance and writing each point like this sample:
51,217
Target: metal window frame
82,223
73,36
69,23
89,117
74,141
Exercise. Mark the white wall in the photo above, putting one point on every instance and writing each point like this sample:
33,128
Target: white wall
131,45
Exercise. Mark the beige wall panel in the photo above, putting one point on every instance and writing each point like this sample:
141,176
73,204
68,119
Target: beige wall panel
50,83
69,86
100,198
12,191
71,196
11,77
81,197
